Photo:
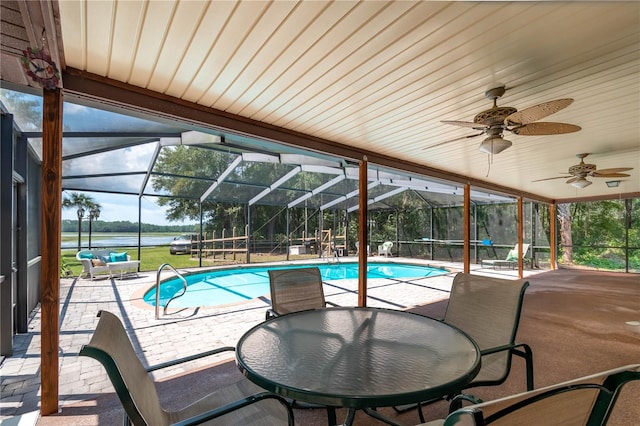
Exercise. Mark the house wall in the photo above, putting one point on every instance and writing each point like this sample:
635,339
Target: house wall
20,252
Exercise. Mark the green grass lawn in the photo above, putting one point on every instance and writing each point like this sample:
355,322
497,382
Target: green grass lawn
153,257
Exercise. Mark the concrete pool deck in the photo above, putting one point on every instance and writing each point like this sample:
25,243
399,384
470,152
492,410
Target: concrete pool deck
181,332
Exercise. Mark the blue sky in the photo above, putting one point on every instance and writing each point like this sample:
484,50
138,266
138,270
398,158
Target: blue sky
117,207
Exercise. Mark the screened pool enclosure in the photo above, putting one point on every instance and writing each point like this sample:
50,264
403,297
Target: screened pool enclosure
273,196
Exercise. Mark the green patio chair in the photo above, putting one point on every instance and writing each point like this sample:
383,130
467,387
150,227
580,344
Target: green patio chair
293,290
242,403
589,400
488,310
511,260
296,289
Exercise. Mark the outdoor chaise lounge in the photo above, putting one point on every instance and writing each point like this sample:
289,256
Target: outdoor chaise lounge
589,400
96,262
511,260
241,403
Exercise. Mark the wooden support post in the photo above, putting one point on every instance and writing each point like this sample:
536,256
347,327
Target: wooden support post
362,234
233,242
246,234
553,237
467,229
520,237
51,200
224,255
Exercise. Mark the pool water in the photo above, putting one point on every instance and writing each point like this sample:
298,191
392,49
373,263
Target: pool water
221,287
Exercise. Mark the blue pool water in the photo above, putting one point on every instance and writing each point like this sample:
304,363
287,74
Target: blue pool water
221,287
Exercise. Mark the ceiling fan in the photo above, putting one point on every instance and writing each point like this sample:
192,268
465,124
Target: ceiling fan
578,173
495,121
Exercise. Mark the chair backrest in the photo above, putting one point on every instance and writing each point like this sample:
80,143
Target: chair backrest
585,401
387,245
512,256
111,346
488,309
296,289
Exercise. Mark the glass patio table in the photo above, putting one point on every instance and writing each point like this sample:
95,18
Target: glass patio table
358,358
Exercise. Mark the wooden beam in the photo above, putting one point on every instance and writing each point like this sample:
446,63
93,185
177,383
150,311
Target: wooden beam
51,201
467,229
363,242
100,91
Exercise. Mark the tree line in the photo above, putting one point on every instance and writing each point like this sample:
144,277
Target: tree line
69,225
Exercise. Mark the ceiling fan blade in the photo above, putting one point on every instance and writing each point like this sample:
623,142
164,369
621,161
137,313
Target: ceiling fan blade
613,170
470,124
608,175
557,177
453,140
545,128
535,113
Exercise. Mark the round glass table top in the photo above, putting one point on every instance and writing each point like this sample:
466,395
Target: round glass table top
358,357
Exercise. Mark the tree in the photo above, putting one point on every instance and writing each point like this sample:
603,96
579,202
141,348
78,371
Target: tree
83,204
564,217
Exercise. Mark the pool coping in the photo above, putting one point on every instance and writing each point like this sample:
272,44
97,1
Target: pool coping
137,298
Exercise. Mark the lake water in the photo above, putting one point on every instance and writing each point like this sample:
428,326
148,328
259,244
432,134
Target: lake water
115,240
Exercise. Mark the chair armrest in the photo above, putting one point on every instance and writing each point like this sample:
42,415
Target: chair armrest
271,314
225,409
496,349
520,349
465,417
190,358
456,401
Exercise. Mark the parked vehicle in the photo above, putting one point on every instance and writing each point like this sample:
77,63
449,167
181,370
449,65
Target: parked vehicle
182,244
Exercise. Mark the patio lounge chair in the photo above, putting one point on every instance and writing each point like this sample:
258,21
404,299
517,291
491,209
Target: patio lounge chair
242,403
294,290
385,249
588,400
488,310
511,261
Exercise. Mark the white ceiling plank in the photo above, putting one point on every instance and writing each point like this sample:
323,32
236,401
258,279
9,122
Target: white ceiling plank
155,26
126,37
187,18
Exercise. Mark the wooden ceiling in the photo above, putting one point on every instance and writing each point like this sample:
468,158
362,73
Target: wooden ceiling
378,76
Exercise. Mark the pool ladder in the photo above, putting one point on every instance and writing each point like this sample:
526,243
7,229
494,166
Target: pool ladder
175,296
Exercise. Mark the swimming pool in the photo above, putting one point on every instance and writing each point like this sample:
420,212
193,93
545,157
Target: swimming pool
226,286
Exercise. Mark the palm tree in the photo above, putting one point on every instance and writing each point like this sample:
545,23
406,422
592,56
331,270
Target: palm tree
83,203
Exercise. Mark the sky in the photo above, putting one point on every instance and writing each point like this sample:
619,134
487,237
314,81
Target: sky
118,207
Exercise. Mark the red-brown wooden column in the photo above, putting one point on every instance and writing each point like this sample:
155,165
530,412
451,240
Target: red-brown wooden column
51,200
363,243
521,237
553,255
467,229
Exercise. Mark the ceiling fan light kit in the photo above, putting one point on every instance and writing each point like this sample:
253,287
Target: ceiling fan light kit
494,121
613,183
581,183
494,144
